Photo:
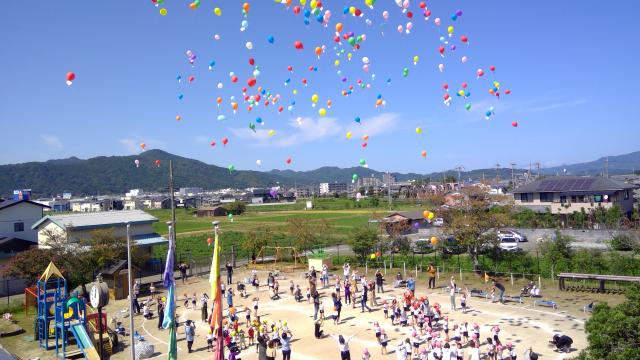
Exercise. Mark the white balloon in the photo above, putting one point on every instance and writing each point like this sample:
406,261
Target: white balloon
216,36
441,67
365,60
464,59
220,85
259,162
249,45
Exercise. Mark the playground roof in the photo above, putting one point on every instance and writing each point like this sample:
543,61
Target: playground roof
51,270
94,220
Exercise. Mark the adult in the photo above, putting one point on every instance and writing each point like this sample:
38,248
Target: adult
363,299
204,312
562,342
229,273
189,333
372,294
183,271
261,347
379,281
474,351
431,271
272,350
452,293
325,276
498,286
316,304
136,304
399,280
160,313
411,285
530,355
346,269
146,311
343,346
337,307
285,342
230,297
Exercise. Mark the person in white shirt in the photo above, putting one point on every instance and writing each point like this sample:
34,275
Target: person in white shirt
343,346
474,351
400,353
447,354
346,269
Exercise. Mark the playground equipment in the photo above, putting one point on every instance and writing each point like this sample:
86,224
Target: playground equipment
61,313
281,253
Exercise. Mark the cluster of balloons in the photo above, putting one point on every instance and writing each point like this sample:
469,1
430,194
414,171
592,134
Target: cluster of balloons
428,215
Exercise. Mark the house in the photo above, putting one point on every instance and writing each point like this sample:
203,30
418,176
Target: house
80,226
17,217
566,194
116,277
211,211
413,220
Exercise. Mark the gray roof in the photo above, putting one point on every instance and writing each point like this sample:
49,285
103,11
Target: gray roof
100,219
573,184
413,215
7,203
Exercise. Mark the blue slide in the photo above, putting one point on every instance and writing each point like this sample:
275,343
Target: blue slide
84,342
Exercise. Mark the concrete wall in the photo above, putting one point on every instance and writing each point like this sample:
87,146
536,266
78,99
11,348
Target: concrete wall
26,213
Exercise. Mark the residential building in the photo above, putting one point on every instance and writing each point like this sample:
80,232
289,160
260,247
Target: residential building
209,211
22,194
134,193
333,188
16,218
76,227
566,194
324,188
190,191
305,191
367,182
389,178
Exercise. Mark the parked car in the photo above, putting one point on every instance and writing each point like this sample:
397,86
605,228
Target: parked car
438,222
422,246
509,243
513,234
452,247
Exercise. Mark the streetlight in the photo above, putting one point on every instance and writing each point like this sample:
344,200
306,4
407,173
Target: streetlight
132,346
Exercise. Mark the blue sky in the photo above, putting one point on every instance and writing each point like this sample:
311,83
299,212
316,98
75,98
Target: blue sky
571,67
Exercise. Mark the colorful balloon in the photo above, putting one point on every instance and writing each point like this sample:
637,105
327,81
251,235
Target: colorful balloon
423,154
298,45
418,130
70,77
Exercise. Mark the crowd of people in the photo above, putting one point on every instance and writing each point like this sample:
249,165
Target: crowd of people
432,332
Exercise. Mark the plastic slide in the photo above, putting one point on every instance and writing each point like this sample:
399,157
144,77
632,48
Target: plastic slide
84,342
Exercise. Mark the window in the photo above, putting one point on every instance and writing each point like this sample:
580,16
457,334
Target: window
526,197
574,199
563,199
597,198
18,227
546,197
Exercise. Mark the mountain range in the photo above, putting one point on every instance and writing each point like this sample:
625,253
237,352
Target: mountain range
117,174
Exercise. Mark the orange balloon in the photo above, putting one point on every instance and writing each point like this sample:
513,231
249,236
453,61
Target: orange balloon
178,117
425,214
339,27
318,50
219,100
329,103
434,241
423,153
234,105
245,7
378,102
365,137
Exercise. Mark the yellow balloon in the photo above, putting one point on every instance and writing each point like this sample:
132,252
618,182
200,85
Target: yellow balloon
349,135
163,12
368,2
322,112
336,63
352,10
303,2
272,132
418,130
431,215
314,98
295,92
313,4
461,92
217,11
372,256
450,29
416,59
349,56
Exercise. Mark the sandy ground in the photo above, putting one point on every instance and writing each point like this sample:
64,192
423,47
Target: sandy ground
522,324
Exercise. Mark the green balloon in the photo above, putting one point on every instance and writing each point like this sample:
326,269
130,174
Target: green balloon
231,168
363,162
352,41
468,106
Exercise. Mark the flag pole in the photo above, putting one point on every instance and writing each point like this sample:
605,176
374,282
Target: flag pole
129,277
216,294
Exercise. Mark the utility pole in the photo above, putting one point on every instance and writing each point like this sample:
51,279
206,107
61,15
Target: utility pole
497,174
173,202
459,168
389,188
606,167
513,178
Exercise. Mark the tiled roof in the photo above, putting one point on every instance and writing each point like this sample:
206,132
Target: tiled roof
98,219
573,184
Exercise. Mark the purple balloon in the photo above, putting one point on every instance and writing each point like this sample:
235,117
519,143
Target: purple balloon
452,47
458,12
416,225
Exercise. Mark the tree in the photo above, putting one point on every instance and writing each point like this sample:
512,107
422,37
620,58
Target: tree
396,230
363,241
256,240
236,208
30,264
302,231
556,250
473,226
614,332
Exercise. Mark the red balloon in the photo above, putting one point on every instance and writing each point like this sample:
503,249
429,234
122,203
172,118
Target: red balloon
358,12
464,38
441,50
319,4
446,96
252,61
507,92
514,124
409,14
445,86
311,68
422,5
191,78
258,97
213,143
225,141
464,85
492,68
234,79
290,68
289,161
364,144
244,89
71,76
280,109
251,82
427,13
296,9
157,163
336,38
298,45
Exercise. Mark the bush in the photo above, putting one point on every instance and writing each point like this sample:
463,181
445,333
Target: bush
622,243
13,307
236,208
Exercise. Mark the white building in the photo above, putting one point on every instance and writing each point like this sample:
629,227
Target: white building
134,193
75,227
324,188
17,217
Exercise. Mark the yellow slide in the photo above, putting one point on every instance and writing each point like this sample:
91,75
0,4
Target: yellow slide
84,342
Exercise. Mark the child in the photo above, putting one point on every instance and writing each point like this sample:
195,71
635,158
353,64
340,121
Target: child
385,309
457,335
152,290
291,286
376,330
186,301
511,351
194,301
242,340
365,354
255,307
495,332
210,340
247,315
499,352
465,332
463,302
308,296
445,327
459,352
321,309
384,340
476,331
415,341
491,353
251,334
